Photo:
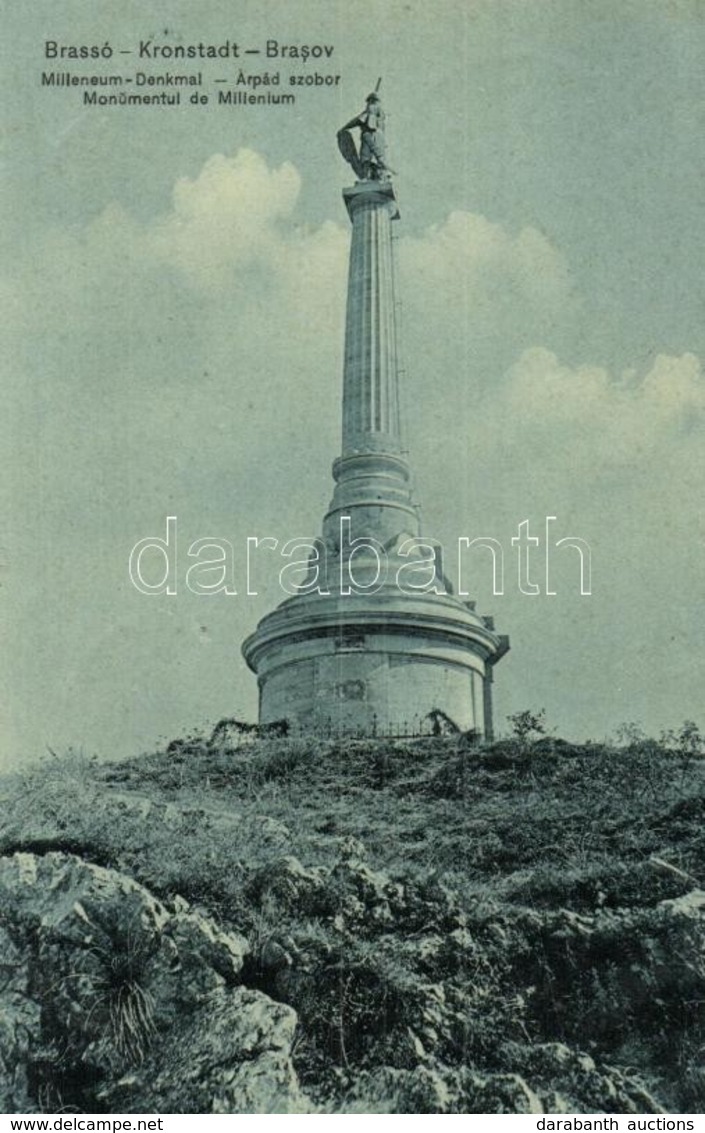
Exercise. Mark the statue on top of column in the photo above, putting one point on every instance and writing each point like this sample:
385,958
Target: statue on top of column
370,163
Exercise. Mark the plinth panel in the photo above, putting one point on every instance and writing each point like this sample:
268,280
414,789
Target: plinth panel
370,692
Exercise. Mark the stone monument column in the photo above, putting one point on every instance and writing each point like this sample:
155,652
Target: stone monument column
356,650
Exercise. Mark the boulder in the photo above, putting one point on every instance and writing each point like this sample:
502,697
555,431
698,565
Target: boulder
570,1081
20,1027
233,1056
285,884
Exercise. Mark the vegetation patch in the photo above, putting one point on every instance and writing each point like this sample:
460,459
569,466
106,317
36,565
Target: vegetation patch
448,925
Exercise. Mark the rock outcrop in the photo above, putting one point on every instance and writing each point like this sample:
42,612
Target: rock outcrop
112,1000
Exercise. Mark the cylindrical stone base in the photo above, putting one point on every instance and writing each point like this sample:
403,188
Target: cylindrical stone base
371,693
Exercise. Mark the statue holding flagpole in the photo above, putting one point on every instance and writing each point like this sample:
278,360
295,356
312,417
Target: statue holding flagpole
370,162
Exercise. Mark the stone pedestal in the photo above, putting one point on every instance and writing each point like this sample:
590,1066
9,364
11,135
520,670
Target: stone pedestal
372,664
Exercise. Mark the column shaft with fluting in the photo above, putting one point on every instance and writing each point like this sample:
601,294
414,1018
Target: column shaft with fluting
371,419
373,481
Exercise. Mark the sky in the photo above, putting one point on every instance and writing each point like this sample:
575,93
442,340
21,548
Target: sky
173,291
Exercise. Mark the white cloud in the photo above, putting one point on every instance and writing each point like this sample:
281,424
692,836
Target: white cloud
226,218
630,418
478,256
471,281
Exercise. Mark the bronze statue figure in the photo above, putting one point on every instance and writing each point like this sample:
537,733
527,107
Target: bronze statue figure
370,163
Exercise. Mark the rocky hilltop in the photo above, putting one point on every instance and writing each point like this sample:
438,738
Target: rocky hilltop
310,925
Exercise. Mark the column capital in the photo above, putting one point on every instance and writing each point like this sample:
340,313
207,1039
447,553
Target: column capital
371,193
